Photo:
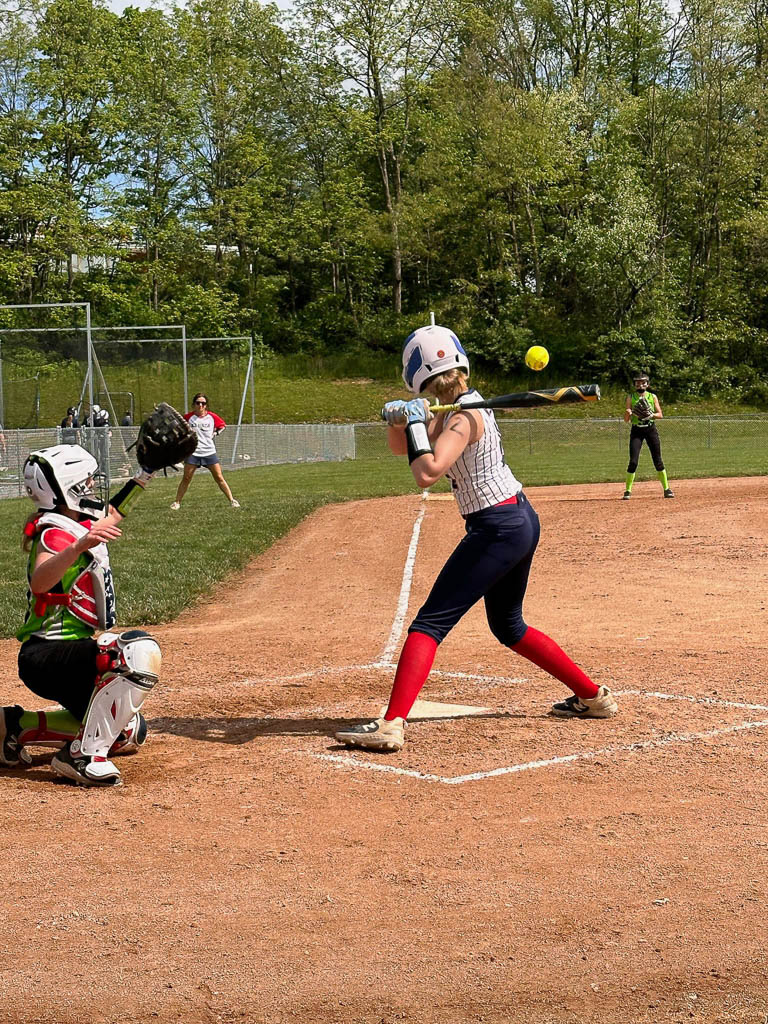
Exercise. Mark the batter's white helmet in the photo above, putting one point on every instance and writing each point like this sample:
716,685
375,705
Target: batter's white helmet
59,476
428,352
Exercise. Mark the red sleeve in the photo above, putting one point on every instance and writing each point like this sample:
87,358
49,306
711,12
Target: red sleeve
218,422
188,416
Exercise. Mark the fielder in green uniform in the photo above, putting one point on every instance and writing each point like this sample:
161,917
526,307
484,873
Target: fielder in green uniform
643,409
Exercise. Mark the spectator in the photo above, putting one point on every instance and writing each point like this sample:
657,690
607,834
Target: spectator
71,419
98,418
127,420
206,425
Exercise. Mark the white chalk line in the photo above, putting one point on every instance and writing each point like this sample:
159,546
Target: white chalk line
631,748
348,760
715,701
458,780
638,746
405,592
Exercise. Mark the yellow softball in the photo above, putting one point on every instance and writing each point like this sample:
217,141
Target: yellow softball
536,357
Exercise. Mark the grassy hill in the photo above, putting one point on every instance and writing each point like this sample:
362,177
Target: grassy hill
295,389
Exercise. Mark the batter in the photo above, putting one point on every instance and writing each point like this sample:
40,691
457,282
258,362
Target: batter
492,561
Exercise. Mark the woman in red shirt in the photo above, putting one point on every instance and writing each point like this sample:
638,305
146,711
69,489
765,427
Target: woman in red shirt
206,425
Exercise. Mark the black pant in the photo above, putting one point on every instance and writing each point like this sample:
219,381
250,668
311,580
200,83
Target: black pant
60,670
651,436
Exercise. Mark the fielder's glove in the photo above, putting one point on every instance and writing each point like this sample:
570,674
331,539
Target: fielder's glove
643,409
165,438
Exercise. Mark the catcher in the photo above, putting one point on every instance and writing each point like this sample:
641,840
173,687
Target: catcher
98,684
643,409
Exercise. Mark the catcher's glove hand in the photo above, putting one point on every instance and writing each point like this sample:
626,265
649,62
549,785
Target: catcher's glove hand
165,438
643,409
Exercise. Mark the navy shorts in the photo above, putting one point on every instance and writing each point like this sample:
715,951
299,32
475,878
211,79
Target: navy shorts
203,460
492,561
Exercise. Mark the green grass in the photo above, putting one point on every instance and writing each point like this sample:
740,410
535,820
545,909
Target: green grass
165,561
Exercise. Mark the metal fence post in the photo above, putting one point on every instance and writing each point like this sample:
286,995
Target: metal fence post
19,476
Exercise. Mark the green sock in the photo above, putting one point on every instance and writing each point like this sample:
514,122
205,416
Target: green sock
42,726
630,481
662,475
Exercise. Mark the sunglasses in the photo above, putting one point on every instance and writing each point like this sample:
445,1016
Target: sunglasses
200,403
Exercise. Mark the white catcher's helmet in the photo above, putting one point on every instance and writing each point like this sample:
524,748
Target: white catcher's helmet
58,476
428,352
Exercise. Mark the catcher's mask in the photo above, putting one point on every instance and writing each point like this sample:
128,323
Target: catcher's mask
62,475
428,352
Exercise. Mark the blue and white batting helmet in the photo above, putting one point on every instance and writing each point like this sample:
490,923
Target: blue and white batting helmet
428,352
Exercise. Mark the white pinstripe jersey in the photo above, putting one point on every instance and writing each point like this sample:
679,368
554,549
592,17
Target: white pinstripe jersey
480,477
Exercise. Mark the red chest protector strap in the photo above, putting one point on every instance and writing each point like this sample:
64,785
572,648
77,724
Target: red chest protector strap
43,600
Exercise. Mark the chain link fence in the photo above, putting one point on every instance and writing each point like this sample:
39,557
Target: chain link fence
539,451
548,451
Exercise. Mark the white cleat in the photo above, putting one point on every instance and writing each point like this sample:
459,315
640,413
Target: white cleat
377,735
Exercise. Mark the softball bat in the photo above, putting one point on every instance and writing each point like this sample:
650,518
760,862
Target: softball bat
530,399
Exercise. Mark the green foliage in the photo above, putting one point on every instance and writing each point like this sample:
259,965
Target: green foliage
593,180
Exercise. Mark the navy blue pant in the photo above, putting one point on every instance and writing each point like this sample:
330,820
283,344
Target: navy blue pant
492,561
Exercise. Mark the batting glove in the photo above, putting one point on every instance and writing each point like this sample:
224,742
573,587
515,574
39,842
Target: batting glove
394,414
417,411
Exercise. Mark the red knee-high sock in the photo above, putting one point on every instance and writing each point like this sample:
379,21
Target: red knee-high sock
544,652
416,659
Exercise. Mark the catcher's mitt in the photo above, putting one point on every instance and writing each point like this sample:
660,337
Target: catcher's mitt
165,438
643,409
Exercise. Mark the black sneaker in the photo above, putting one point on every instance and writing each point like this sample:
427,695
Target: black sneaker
669,493
626,495
84,770
11,752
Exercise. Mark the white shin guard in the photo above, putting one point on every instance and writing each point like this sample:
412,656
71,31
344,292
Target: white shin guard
120,691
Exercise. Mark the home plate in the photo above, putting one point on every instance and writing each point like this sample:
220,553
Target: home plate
435,709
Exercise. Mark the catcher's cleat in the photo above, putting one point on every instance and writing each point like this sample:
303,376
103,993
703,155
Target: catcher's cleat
377,735
626,495
132,738
601,706
11,752
175,506
669,493
235,503
84,770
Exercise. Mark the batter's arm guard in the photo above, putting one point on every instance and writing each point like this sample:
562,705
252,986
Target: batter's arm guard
416,432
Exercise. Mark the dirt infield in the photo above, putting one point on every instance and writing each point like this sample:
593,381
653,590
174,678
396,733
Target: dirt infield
506,867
